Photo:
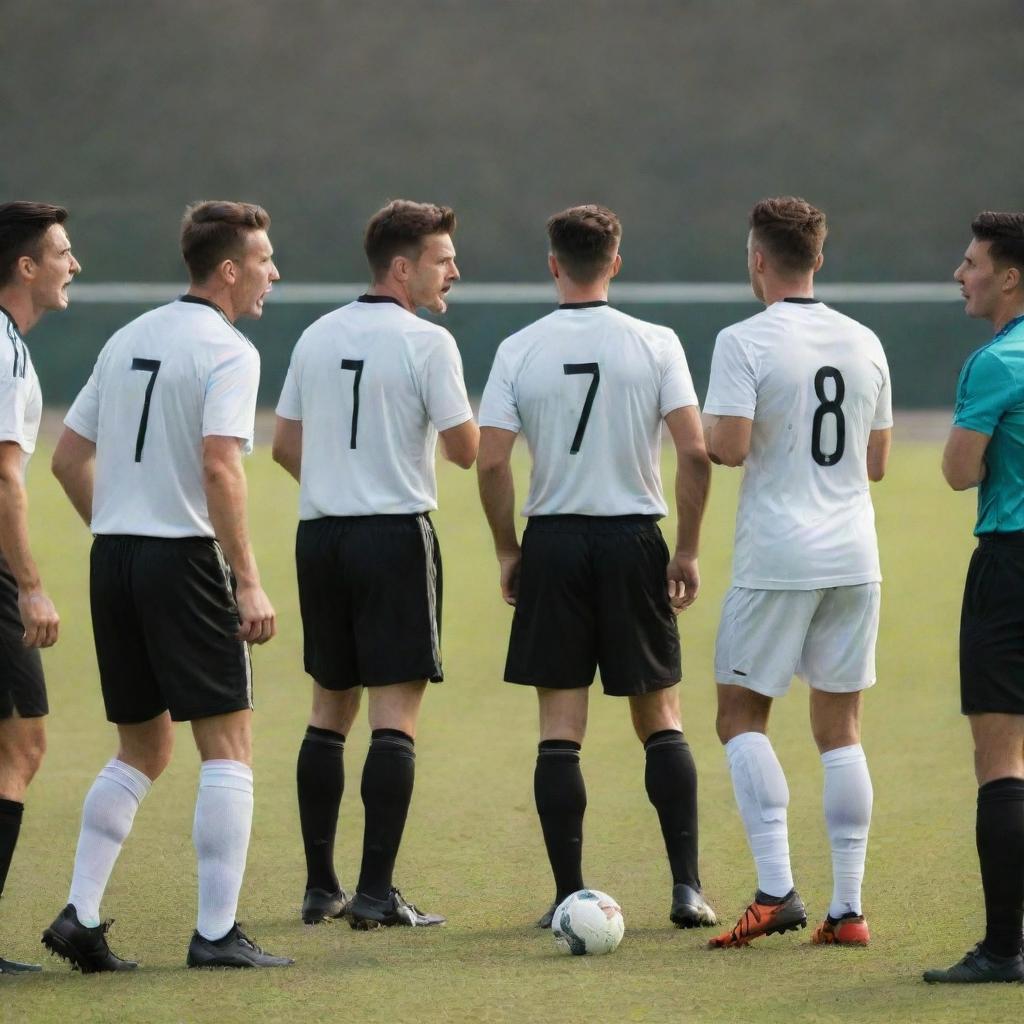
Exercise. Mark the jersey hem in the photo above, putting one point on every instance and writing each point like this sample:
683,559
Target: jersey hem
454,421
729,410
819,584
19,441
487,421
81,430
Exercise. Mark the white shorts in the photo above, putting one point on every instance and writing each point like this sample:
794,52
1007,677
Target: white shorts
827,637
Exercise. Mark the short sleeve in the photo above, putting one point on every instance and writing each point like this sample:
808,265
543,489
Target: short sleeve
289,405
985,391
229,408
677,390
15,393
498,406
883,404
442,385
84,415
732,387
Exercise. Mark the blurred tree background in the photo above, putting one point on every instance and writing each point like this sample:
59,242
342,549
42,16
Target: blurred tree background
901,118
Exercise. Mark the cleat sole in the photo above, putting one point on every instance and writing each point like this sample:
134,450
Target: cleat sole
63,951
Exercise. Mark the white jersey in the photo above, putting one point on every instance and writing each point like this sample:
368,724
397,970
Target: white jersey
161,384
815,383
589,387
21,401
372,384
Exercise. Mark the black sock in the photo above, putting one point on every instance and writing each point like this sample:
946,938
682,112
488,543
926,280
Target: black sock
671,778
561,799
1000,835
320,775
388,777
10,825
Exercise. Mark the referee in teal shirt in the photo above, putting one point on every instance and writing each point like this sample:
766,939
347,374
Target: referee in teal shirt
986,450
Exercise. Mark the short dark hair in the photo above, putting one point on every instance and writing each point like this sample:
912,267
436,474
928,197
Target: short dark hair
22,226
791,230
399,228
215,230
584,240
1005,234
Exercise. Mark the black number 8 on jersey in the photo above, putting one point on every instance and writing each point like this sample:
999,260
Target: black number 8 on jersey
833,406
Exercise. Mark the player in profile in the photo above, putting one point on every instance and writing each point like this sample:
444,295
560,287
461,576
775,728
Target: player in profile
36,267
799,396
370,390
151,458
984,451
594,585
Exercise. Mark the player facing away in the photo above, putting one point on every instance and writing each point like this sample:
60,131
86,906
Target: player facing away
799,396
151,458
594,585
370,390
984,450
36,267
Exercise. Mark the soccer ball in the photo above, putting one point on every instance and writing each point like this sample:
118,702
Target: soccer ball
587,923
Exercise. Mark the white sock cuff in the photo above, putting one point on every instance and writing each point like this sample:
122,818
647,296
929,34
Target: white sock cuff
223,774
843,756
746,741
126,776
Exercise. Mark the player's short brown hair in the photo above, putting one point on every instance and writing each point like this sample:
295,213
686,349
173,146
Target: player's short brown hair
790,230
1005,234
584,240
399,229
215,230
22,226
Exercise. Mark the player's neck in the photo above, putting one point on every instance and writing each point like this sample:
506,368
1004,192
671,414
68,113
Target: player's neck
1000,319
391,290
219,297
575,293
22,310
776,289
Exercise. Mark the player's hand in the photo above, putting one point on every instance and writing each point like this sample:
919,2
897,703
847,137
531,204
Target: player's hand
683,582
39,617
258,620
509,566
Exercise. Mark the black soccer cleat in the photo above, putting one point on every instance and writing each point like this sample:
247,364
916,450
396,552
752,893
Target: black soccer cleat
979,966
320,905
545,919
690,909
366,912
84,948
13,967
235,949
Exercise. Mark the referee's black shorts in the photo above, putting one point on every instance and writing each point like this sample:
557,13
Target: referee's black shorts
22,684
370,597
992,627
165,623
592,594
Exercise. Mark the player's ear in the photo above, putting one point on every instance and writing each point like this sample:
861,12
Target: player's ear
616,265
1012,279
818,261
400,267
227,271
26,267
553,266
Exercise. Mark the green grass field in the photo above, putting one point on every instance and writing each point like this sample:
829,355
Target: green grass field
473,848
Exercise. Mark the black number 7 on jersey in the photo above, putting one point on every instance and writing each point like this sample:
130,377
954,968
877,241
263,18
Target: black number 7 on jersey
593,368
152,366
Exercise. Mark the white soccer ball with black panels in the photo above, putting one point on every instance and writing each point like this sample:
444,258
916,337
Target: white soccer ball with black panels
587,923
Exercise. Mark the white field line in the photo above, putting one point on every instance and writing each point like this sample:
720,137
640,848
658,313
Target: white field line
669,293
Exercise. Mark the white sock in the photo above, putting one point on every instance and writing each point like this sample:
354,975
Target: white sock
221,837
107,816
848,797
762,797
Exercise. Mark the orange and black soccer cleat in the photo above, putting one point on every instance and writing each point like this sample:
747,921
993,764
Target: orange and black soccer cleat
851,930
764,919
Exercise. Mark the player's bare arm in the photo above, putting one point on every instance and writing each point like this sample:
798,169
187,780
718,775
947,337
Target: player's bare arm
693,476
74,466
38,615
727,439
226,491
879,444
498,497
287,449
963,460
460,444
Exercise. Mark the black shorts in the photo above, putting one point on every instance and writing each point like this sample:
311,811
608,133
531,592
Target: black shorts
592,594
165,622
22,685
992,627
370,596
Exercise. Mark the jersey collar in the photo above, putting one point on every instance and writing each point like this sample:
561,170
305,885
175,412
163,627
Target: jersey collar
14,323
802,300
1015,322
583,305
378,298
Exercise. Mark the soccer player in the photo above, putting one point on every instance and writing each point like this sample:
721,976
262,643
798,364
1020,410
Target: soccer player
370,389
594,585
151,459
36,267
985,450
799,395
